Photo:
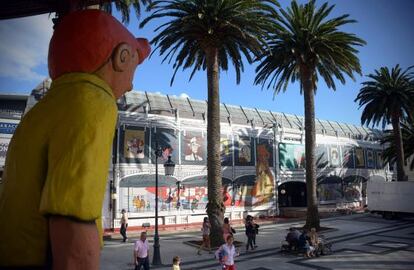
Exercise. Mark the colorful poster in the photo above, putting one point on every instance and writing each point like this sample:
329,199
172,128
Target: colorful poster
359,157
334,156
244,151
380,161
370,159
264,150
168,142
321,156
226,154
134,144
263,188
291,156
347,157
193,147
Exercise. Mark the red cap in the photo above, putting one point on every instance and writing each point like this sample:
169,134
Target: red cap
84,40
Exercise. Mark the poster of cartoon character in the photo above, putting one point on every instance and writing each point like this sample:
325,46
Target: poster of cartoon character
226,151
134,144
370,159
168,142
334,156
244,151
291,156
359,157
263,189
194,147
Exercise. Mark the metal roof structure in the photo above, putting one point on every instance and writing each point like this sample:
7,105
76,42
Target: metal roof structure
155,103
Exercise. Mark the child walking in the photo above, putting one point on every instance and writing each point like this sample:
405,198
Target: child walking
176,263
226,254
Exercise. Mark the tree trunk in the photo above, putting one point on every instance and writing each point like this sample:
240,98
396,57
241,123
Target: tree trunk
398,147
312,215
215,206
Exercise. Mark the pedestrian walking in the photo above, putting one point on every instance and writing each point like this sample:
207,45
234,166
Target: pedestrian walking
250,233
256,231
227,229
124,225
141,253
206,236
176,263
226,254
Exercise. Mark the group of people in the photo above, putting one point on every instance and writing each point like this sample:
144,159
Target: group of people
308,242
227,252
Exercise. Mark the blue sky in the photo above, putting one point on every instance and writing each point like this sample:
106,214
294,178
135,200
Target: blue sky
386,26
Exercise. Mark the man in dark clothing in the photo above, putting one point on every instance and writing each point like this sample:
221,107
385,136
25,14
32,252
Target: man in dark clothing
293,238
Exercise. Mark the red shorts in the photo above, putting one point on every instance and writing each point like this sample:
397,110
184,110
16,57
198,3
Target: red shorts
230,267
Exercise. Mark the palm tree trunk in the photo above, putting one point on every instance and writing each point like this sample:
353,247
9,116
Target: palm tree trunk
398,147
312,215
215,206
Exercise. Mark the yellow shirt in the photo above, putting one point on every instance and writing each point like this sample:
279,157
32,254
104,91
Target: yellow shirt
57,164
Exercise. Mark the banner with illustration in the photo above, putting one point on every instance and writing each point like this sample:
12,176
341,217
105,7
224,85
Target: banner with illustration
370,159
193,148
321,156
291,156
359,157
379,160
255,192
244,152
264,151
226,151
334,156
134,145
347,157
168,142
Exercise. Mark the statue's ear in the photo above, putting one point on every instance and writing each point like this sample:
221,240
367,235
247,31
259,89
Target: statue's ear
121,56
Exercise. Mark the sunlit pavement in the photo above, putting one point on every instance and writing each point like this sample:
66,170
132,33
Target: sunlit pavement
361,241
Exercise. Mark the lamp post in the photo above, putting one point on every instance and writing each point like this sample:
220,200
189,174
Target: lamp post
169,170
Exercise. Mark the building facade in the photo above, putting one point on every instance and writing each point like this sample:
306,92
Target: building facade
262,157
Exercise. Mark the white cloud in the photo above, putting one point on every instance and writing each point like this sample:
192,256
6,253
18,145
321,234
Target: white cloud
24,47
184,95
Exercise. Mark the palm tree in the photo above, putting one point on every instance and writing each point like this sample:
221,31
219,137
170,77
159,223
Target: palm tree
208,34
389,97
407,133
307,45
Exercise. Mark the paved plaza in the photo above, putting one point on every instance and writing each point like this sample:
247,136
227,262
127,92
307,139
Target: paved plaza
360,241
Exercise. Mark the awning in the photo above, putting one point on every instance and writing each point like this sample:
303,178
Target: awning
147,180
201,181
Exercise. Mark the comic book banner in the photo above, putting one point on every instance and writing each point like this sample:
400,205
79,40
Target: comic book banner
334,157
321,156
168,141
193,148
347,157
370,159
264,151
244,153
226,151
291,156
359,157
134,145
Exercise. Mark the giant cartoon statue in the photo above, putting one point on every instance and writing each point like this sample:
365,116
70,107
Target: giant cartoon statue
57,164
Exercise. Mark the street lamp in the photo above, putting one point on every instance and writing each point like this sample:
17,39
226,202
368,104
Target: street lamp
169,170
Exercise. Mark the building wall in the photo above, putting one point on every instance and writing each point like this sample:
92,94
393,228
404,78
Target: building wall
257,165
